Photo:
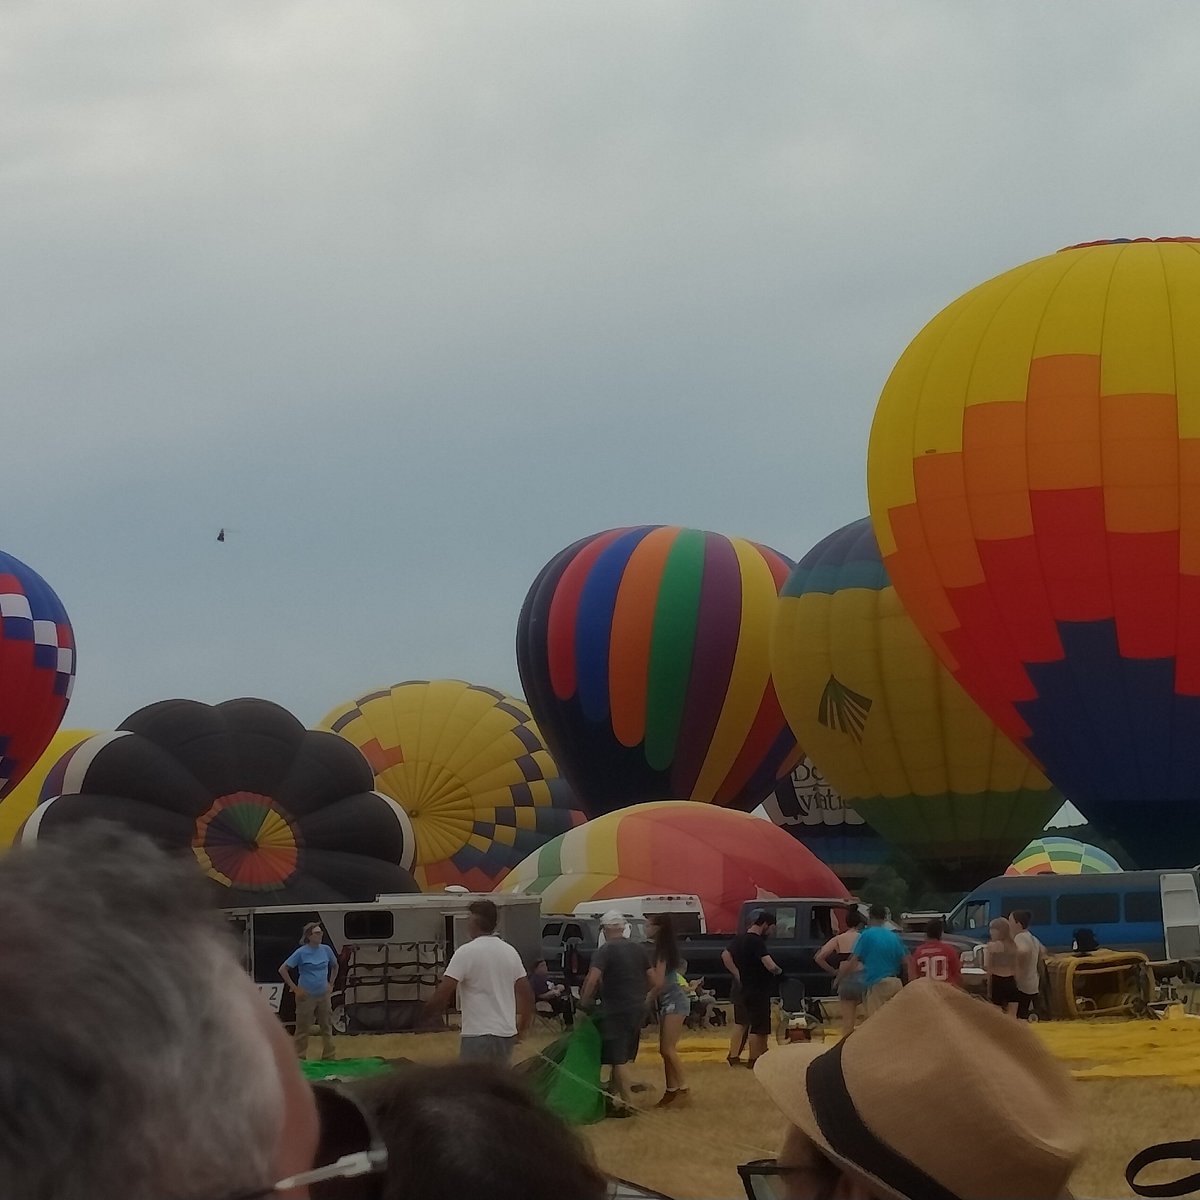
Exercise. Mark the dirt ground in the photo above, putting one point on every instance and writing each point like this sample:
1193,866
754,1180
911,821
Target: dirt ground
1139,1082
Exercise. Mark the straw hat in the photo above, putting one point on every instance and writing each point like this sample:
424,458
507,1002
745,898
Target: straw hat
937,1097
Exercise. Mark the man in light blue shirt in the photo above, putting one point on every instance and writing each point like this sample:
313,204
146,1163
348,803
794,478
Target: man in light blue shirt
880,953
317,968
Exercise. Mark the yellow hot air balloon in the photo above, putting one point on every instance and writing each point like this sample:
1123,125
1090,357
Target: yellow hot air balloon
468,765
22,800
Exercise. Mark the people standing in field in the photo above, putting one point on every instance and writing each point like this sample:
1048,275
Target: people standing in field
620,975
1033,954
935,959
1002,961
674,1004
316,968
834,957
747,959
494,996
879,954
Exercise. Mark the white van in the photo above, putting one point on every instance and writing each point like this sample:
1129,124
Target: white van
687,913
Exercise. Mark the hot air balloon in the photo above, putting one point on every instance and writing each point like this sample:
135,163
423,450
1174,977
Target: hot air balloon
1062,856
644,654
468,766
724,857
37,668
274,814
888,725
21,801
806,806
1033,472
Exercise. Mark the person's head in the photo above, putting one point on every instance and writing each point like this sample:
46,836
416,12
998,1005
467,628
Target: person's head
934,929
878,914
854,918
482,917
149,1054
762,922
1011,1126
540,967
1020,918
1000,930
660,929
614,925
313,933
475,1130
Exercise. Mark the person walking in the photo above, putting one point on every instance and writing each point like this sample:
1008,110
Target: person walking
668,991
935,959
834,957
1002,959
1033,954
620,975
753,969
879,954
494,995
316,966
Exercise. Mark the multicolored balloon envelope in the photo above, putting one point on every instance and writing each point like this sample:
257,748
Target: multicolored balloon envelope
1034,475
274,813
1062,856
468,766
22,800
644,654
37,668
674,847
889,726
806,806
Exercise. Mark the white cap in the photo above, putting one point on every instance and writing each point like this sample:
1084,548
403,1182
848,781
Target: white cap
613,919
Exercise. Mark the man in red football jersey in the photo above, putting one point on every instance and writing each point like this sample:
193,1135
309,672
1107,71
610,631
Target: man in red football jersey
934,959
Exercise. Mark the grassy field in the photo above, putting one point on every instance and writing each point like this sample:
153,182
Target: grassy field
1139,1082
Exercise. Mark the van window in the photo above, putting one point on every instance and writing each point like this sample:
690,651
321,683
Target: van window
1089,908
976,914
371,925
573,931
1144,907
820,925
1038,906
785,922
551,929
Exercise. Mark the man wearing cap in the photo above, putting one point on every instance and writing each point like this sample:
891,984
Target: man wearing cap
868,1123
620,973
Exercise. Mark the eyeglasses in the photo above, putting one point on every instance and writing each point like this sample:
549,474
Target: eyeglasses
351,1156
766,1179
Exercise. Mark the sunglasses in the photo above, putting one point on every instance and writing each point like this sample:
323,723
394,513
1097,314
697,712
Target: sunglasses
766,1179
351,1157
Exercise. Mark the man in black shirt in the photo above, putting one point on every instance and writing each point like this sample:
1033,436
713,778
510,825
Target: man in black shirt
753,970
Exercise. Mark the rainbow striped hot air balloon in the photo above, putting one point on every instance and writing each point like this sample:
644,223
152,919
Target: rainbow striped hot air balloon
726,858
888,725
644,655
1034,477
1062,856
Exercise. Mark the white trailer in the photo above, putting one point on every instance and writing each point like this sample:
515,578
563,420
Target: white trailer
391,952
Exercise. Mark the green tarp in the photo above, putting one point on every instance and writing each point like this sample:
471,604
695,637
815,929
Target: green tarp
566,1074
343,1068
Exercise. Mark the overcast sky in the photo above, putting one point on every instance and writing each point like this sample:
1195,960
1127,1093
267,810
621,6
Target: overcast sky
411,295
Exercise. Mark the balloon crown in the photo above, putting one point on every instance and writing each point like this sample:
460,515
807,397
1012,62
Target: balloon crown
1126,241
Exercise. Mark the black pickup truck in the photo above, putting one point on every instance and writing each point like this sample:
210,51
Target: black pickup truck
803,926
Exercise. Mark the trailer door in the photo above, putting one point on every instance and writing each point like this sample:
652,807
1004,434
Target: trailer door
1181,915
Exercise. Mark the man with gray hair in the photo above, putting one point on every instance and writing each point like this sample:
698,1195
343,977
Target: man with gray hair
137,1059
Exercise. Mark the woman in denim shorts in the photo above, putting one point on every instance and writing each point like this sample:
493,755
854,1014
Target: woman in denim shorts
834,957
673,1002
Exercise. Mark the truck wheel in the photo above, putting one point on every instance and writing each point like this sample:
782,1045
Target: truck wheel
341,1021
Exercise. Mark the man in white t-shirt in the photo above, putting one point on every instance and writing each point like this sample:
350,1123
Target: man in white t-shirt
1030,953
494,995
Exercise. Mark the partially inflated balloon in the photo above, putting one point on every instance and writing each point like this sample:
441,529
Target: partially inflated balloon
888,725
468,766
273,813
1062,856
21,801
37,668
1034,474
726,858
807,806
645,656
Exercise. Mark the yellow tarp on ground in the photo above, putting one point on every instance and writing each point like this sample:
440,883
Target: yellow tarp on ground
1100,1049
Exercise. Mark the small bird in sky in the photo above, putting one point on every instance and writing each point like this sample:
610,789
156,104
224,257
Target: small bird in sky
221,536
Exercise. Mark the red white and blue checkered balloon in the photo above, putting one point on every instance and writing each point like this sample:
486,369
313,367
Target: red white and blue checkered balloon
37,668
